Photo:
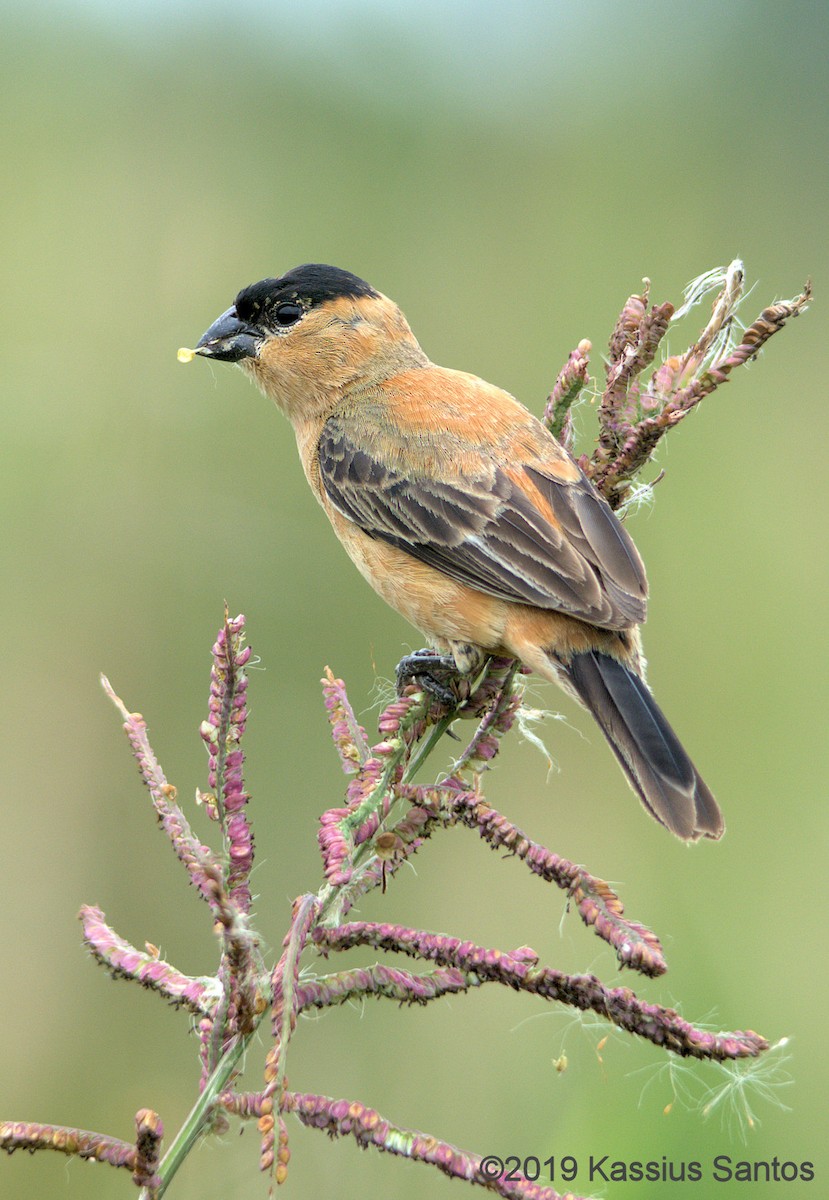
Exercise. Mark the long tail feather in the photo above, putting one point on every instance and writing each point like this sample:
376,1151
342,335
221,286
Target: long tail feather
651,755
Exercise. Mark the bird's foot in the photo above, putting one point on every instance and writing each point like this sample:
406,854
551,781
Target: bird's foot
437,674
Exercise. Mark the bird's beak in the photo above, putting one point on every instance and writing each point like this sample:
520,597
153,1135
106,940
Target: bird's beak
230,339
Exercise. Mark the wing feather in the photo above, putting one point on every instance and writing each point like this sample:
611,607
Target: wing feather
485,530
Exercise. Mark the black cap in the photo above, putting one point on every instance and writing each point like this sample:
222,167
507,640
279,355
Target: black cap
310,284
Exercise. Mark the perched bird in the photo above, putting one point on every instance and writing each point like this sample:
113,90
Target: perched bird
463,512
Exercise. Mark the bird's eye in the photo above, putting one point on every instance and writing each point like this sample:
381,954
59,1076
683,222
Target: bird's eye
287,314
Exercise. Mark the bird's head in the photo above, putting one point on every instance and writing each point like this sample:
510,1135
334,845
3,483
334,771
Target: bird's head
311,335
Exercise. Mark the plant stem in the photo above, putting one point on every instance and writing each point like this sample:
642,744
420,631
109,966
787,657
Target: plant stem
198,1118
426,749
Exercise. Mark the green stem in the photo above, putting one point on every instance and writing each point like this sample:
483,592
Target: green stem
372,801
197,1119
428,746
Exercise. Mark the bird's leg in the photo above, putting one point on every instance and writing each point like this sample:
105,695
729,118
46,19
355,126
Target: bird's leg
436,674
448,677
469,659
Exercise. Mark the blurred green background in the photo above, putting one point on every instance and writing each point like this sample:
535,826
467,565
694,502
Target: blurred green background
508,174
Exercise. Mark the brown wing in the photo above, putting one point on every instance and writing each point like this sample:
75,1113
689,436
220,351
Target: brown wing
489,528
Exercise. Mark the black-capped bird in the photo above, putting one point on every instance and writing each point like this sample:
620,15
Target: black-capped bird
463,512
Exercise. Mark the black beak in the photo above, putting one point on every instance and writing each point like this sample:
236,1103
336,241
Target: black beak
230,339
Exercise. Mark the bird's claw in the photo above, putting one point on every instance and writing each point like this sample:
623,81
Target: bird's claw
436,673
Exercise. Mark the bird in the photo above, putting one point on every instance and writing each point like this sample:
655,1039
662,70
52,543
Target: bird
463,512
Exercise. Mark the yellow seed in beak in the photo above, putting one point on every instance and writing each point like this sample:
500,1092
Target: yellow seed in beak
185,354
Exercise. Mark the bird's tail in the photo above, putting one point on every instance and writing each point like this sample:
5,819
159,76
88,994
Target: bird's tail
651,755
